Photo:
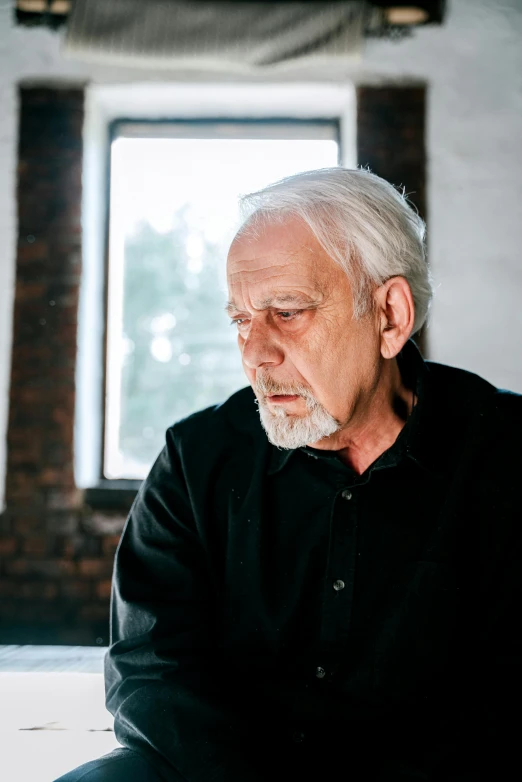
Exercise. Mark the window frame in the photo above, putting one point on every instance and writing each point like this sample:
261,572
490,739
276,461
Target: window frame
107,108
211,128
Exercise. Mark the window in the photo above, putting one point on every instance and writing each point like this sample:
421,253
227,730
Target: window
173,211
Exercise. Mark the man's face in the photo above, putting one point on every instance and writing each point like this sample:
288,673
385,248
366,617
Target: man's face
311,365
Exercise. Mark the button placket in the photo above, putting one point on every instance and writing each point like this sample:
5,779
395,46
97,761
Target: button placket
337,611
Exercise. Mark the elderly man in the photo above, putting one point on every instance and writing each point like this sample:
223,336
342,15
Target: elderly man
321,576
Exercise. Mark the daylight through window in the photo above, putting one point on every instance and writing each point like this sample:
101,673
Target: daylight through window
173,211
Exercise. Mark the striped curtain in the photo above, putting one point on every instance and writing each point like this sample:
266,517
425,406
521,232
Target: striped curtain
169,33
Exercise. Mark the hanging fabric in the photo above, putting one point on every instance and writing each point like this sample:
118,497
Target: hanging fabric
169,33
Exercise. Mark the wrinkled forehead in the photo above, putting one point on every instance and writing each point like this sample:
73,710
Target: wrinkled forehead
283,257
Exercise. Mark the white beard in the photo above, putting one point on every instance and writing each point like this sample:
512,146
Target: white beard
292,431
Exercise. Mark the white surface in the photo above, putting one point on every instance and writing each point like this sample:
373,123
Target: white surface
44,756
51,723
29,658
473,66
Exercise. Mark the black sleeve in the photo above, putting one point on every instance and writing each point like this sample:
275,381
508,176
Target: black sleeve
170,697
499,678
485,743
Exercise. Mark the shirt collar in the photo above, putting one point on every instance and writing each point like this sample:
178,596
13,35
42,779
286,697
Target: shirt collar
422,432
278,458
417,440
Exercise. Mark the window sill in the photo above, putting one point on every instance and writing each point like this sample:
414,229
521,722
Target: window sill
112,495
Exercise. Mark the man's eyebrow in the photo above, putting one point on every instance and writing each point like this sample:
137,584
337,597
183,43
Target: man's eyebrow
278,300
231,307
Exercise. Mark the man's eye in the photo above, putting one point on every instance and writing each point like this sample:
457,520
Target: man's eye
238,322
289,314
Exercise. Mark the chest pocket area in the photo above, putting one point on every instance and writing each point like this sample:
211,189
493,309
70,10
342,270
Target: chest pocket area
415,629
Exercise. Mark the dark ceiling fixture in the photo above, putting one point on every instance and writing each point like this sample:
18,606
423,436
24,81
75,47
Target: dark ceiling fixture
397,20
46,13
412,13
389,17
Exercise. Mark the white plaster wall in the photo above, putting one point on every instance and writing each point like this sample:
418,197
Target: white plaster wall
473,66
474,70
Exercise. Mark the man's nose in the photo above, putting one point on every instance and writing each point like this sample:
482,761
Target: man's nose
259,348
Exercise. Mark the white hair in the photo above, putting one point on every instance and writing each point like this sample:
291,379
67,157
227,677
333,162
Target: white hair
362,222
291,431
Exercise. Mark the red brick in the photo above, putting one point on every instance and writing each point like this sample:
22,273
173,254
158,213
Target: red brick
17,567
35,546
79,547
103,589
44,568
94,568
110,544
67,547
53,569
30,291
35,251
62,523
100,523
56,477
8,546
23,488
63,415
73,589
36,590
28,524
391,136
29,453
58,499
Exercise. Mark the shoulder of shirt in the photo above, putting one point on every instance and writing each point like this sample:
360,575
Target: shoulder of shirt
494,408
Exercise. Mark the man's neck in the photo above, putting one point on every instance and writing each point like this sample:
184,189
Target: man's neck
376,425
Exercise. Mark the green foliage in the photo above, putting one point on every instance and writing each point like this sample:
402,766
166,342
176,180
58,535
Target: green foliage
161,281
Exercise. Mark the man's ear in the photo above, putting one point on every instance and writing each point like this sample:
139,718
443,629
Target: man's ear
396,312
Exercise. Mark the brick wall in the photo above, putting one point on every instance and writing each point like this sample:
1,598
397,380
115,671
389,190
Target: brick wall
391,137
391,141
55,552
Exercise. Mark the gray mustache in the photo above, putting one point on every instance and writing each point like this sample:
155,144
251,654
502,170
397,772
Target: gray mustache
266,386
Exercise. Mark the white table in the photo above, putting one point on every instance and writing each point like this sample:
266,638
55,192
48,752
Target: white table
52,712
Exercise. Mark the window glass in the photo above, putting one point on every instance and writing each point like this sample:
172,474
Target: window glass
173,211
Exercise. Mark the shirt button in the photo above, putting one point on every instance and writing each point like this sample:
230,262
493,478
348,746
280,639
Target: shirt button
320,672
346,495
298,737
338,585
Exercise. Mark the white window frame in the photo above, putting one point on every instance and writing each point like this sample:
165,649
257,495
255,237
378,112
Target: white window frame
103,105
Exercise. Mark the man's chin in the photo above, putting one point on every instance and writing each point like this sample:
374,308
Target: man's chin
295,431
285,410
283,440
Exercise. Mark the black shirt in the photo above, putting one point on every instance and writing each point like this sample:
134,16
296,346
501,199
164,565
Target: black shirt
276,615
